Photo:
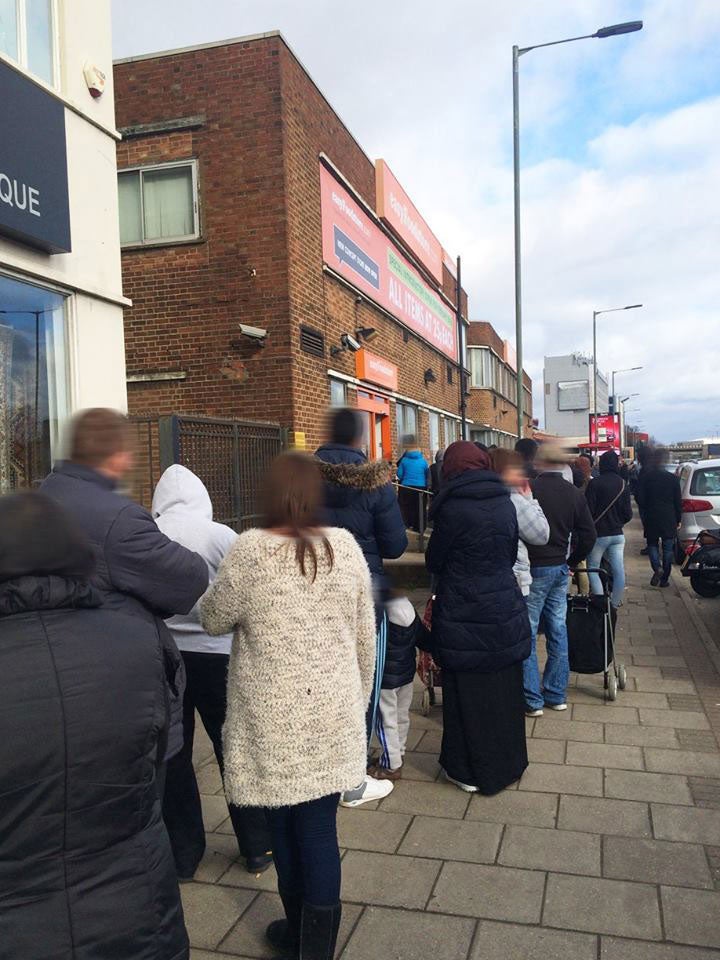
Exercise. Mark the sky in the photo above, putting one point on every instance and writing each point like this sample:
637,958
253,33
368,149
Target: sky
620,153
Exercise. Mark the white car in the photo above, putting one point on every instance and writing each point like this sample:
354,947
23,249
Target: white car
700,488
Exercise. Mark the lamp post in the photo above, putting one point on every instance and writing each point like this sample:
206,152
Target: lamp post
626,370
601,34
596,314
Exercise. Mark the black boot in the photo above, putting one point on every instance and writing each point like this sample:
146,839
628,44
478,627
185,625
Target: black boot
284,935
319,931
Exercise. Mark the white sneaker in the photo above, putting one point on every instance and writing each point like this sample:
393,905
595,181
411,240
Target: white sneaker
533,713
370,789
556,706
463,786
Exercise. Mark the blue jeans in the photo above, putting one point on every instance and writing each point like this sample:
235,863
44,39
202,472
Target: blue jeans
548,597
668,548
613,548
305,848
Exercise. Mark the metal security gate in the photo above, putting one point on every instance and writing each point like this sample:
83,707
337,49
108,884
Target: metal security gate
231,457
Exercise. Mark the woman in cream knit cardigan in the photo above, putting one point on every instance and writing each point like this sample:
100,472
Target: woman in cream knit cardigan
299,601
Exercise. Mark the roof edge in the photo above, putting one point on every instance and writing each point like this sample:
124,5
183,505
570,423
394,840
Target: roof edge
202,46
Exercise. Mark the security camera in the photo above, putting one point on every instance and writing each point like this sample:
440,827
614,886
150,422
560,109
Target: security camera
350,343
255,333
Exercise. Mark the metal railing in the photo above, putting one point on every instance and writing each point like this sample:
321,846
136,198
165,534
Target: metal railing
415,506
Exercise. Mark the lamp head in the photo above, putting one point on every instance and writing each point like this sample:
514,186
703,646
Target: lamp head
631,26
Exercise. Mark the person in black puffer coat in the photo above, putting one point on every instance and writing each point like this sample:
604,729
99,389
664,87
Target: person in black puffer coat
480,628
86,869
660,501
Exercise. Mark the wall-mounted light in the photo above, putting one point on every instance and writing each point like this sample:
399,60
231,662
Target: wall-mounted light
429,377
366,333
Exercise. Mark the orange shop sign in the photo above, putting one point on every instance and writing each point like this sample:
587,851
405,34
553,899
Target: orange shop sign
374,369
396,208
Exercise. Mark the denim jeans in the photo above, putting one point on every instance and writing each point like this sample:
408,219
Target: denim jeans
613,548
548,598
668,548
305,848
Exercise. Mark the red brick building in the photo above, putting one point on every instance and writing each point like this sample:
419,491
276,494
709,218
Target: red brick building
492,404
256,261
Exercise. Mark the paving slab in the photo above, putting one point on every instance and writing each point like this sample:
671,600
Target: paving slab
556,778
427,799
644,700
237,876
430,743
515,806
546,751
563,851
211,911
496,893
507,941
623,818
607,713
605,755
638,785
665,686
657,661
471,840
221,852
680,719
614,949
209,780
635,736
602,906
420,766
409,935
214,811
388,881
687,824
373,830
552,729
691,916
691,763
656,861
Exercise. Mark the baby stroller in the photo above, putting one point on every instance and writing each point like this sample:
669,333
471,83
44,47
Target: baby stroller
591,621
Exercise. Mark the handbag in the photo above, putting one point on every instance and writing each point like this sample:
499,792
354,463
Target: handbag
427,616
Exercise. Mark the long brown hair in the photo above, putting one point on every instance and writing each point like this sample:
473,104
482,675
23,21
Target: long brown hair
293,500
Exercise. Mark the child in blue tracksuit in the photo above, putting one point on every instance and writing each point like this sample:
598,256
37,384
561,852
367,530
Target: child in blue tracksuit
405,632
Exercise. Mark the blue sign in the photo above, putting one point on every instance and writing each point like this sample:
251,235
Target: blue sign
347,251
34,206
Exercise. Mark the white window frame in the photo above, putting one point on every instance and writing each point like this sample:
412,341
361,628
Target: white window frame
21,43
165,241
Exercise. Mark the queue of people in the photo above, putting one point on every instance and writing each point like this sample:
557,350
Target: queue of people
292,648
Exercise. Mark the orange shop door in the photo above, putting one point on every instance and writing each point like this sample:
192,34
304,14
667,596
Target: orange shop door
375,410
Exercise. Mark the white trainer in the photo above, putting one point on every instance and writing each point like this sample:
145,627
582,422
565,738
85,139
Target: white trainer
458,783
533,713
369,790
556,706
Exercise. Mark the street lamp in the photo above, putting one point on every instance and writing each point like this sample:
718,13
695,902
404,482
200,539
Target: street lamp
601,34
626,370
596,314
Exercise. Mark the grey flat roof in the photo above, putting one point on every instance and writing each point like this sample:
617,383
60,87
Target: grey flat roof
202,46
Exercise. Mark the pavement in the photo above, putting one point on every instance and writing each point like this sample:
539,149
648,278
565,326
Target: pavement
609,848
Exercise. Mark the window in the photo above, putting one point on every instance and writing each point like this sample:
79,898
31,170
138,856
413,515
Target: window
27,35
452,431
406,422
434,424
33,386
338,397
158,204
573,395
706,483
449,373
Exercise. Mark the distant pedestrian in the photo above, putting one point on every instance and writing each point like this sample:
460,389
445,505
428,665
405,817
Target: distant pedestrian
568,515
406,632
183,511
608,497
528,450
436,473
298,598
413,474
582,473
533,527
86,869
660,500
480,631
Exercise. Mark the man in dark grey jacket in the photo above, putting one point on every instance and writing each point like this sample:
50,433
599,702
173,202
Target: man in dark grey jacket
139,570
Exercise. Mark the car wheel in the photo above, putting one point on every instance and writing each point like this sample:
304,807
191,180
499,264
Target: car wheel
704,587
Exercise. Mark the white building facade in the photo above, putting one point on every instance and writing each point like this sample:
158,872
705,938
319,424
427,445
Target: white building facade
61,303
568,395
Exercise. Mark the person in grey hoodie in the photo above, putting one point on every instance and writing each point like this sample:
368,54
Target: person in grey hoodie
183,511
533,527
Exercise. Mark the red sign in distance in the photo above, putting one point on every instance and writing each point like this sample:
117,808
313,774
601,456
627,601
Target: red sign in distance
357,249
605,428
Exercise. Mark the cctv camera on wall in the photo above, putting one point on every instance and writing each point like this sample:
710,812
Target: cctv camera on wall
350,343
254,333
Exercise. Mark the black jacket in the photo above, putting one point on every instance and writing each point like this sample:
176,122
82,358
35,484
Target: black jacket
401,656
567,513
360,498
480,620
600,493
139,570
86,869
660,501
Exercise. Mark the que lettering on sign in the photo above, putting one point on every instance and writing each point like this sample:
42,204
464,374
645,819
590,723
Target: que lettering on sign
19,195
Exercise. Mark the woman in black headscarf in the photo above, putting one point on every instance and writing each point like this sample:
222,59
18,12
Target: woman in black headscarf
480,628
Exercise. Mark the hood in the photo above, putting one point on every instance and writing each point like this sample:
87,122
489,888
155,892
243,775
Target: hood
609,462
471,485
413,454
26,594
179,489
339,453
400,612
356,476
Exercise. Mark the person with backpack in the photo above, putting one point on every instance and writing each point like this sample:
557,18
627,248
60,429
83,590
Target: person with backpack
608,497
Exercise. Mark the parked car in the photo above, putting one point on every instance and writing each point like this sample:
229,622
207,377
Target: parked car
700,489
672,467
